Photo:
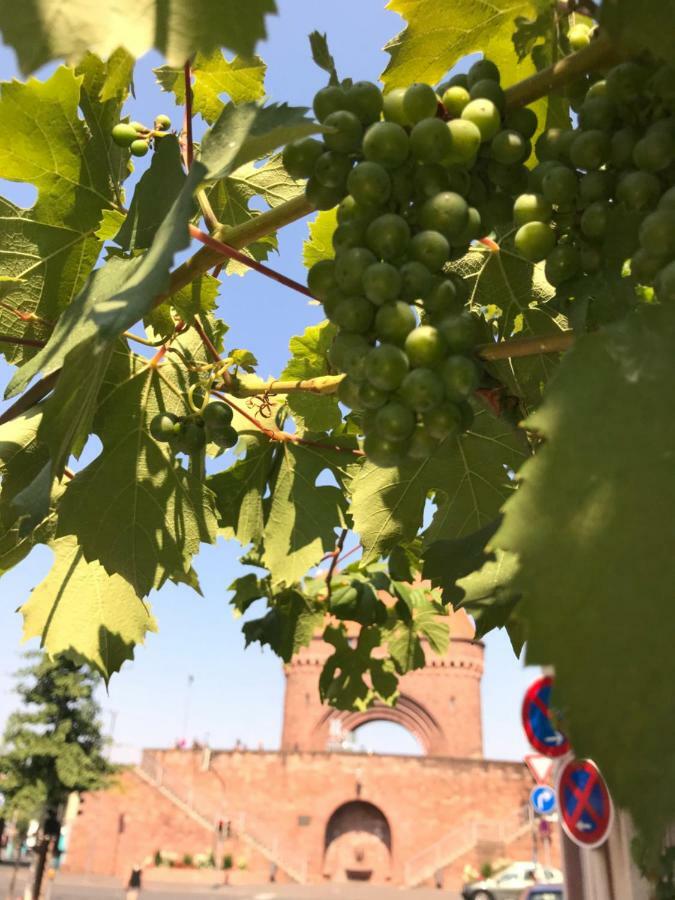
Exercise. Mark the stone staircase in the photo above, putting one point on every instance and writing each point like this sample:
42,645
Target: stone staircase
208,811
460,841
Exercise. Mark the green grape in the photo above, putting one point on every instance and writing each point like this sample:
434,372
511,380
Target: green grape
350,266
430,248
217,415
657,233
402,188
459,180
485,116
579,36
523,120
645,266
460,79
393,107
547,145
430,140
139,148
597,185
332,169
321,278
594,220
422,445
354,314
483,68
466,140
560,185
485,89
364,99
655,151
395,421
347,134
455,99
381,283
419,102
163,427
665,284
386,367
139,127
622,145
416,280
350,211
348,392
625,83
386,143
667,200
394,321
447,212
591,258
638,191
422,390
443,421
531,208
191,438
430,180
300,157
226,438
509,147
425,347
348,353
124,135
597,89
590,150
322,197
443,299
467,414
562,263
497,211
477,193
597,113
369,183
511,179
371,397
460,377
349,234
384,453
460,332
388,236
538,173
331,300
329,100
473,229
162,122
534,241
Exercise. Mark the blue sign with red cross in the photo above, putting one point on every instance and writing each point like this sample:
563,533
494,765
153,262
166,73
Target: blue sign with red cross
586,811
538,720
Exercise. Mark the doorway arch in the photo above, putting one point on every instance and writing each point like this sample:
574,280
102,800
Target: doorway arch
357,844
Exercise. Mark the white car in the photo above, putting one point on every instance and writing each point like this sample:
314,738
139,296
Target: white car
511,882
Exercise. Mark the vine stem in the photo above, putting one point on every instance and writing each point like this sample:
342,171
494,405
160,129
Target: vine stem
334,561
21,341
529,346
187,116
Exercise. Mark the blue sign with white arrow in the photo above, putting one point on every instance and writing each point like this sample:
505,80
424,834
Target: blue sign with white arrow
542,800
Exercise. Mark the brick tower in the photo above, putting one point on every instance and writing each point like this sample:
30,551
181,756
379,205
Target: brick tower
439,705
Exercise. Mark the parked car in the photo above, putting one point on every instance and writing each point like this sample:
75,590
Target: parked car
510,883
544,892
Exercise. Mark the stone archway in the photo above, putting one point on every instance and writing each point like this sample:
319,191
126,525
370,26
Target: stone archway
357,844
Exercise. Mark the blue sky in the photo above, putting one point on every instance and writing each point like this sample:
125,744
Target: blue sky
238,694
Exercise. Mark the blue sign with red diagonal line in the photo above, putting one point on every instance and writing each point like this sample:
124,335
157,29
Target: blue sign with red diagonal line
586,810
538,720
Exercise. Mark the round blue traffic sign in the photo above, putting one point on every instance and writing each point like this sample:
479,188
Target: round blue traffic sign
538,720
542,800
586,810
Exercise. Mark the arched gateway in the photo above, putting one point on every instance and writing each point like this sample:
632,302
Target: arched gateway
357,844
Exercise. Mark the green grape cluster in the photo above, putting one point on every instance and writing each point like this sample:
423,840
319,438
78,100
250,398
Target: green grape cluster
190,434
137,137
416,175
612,175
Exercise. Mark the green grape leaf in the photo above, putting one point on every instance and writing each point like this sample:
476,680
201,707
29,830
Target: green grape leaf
424,619
319,244
289,624
446,562
199,298
467,474
322,55
243,80
303,515
55,29
239,492
247,589
246,132
514,294
592,524
81,610
230,199
490,599
135,508
434,40
22,458
316,412
351,677
155,194
652,29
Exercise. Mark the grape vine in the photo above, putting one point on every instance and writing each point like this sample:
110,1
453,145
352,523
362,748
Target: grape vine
492,245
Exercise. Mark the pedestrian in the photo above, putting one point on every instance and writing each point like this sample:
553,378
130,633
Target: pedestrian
134,886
